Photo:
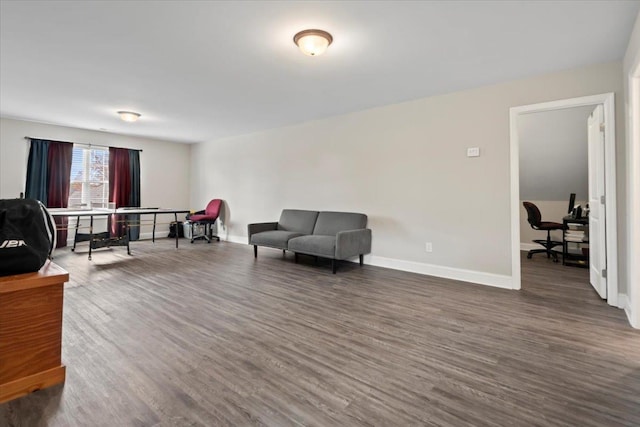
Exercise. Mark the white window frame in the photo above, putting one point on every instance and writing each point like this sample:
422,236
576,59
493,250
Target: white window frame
86,181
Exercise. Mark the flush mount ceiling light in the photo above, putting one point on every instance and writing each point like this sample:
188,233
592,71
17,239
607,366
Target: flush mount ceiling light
313,42
129,116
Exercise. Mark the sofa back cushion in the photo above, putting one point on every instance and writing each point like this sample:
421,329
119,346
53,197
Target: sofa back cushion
297,220
329,223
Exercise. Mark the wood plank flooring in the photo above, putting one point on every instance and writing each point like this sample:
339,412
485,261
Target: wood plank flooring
208,336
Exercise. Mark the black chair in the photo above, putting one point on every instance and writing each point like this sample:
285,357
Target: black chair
535,219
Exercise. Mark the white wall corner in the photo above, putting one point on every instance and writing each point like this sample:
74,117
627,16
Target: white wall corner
624,302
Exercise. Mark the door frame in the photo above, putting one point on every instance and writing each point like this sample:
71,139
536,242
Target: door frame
611,228
633,192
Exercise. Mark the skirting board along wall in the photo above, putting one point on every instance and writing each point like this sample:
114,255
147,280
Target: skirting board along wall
478,277
624,302
528,246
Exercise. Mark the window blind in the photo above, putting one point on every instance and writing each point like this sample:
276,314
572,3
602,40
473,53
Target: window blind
89,177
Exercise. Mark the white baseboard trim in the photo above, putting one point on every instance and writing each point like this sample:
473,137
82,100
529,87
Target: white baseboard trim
478,277
625,303
529,246
235,239
471,276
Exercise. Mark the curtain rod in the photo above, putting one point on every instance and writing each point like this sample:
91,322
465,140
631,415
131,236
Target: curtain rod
79,143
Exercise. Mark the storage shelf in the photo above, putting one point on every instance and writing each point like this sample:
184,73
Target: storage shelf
572,251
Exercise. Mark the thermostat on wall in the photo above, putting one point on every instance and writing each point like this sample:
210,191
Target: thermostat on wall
473,152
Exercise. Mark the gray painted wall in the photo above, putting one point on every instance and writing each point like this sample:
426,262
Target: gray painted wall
404,165
553,154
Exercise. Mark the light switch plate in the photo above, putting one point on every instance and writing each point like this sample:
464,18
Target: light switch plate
473,152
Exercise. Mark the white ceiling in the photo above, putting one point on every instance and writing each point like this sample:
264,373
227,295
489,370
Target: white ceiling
553,154
199,71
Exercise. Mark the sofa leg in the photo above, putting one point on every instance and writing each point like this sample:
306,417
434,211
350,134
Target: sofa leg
361,260
295,257
334,265
255,251
284,252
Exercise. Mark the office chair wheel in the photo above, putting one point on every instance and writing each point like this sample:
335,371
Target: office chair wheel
529,256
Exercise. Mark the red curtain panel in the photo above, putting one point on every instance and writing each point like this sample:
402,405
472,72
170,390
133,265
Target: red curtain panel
119,186
59,181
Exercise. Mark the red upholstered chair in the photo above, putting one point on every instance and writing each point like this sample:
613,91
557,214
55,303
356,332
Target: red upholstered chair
206,218
535,220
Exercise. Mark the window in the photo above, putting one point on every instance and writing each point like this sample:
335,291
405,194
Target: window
89,177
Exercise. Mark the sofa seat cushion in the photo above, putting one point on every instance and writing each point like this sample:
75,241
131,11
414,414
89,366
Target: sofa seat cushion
324,246
203,217
274,238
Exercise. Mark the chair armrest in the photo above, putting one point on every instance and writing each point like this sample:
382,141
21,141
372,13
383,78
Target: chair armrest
260,227
353,242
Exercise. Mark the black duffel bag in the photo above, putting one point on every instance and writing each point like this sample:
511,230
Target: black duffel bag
27,236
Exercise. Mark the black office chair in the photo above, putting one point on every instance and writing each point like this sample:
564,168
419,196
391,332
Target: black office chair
535,219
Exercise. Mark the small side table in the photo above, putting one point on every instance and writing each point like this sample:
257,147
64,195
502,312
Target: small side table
31,331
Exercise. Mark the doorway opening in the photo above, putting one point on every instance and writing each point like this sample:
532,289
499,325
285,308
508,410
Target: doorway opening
600,195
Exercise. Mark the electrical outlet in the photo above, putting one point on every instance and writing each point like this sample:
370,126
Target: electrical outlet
428,247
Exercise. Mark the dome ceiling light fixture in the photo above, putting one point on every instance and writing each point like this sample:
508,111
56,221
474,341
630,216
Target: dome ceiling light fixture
313,42
129,116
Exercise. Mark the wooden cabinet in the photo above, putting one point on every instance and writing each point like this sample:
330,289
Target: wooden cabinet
31,331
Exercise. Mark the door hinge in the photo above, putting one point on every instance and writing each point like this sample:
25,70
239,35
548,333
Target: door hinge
602,199
604,273
601,127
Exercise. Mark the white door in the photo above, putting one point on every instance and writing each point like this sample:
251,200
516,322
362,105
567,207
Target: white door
597,237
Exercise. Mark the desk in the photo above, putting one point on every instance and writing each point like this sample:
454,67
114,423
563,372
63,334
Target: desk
103,239
31,331
575,231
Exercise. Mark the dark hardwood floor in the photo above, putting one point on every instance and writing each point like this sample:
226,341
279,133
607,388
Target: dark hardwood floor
208,336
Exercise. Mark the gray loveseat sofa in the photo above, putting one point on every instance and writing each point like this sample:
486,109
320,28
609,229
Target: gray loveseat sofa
333,235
